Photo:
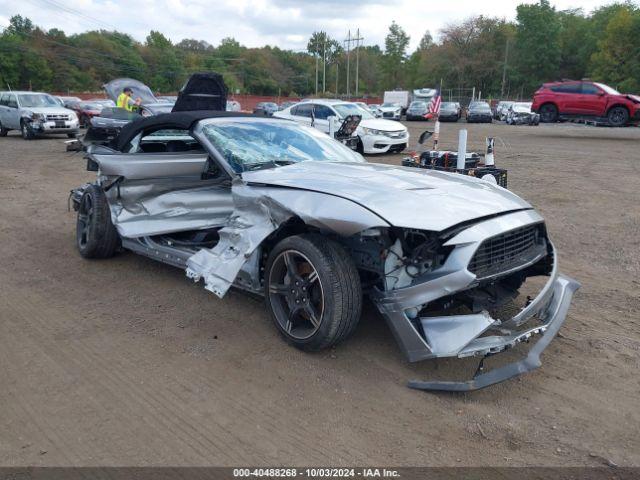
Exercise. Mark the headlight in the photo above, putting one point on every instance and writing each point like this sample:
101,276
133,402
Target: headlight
371,131
37,116
73,117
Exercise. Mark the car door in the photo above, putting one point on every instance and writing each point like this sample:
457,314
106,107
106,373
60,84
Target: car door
164,182
568,98
593,100
4,98
321,114
303,114
12,113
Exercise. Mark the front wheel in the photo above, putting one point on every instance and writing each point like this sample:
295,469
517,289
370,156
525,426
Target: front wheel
3,131
548,113
27,131
618,116
313,292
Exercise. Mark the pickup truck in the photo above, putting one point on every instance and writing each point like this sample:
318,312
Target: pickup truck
35,114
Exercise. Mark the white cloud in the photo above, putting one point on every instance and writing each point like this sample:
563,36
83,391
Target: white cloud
285,23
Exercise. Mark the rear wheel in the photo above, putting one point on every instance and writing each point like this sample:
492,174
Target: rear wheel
313,292
72,135
96,237
548,113
3,131
618,116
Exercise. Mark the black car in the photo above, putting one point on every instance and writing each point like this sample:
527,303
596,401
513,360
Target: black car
479,112
449,112
417,110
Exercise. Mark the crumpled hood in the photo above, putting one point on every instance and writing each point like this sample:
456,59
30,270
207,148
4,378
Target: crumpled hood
49,110
403,196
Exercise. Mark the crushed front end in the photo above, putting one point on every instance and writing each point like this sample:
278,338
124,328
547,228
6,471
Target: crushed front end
447,299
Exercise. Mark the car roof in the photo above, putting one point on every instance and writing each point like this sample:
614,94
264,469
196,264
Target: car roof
25,92
174,120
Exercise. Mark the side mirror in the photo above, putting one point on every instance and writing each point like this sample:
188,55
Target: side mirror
424,136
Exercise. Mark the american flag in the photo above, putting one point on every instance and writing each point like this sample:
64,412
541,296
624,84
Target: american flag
434,105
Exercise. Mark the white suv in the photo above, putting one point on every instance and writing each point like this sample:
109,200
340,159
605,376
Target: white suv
375,135
35,114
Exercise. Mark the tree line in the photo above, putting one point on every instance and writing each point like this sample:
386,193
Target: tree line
496,57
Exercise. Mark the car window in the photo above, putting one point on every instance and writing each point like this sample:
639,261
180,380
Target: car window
12,102
4,99
304,110
590,89
322,112
570,88
37,100
250,144
345,109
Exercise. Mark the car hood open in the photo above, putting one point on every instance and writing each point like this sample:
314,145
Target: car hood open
404,197
115,87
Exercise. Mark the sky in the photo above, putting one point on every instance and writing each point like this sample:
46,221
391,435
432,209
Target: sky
254,23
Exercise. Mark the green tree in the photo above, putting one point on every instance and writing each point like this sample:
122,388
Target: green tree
537,45
395,56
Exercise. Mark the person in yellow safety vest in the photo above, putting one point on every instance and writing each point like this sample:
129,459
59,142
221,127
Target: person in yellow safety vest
124,100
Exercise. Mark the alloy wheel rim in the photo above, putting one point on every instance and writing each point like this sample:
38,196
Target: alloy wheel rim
85,217
296,294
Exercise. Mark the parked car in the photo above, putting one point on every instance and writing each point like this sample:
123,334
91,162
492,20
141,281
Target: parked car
374,108
88,109
584,99
479,112
449,112
501,110
392,111
286,104
266,108
283,211
520,113
417,110
68,101
375,135
35,114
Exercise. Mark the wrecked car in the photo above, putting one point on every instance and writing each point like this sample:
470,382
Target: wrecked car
284,211
520,113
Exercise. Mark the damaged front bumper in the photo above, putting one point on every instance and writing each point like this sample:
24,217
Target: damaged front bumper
474,334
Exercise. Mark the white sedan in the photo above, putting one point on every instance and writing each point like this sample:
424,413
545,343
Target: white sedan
374,135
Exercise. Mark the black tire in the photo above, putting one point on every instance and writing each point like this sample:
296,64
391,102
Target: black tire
72,135
3,131
548,113
618,116
360,147
84,121
309,277
96,237
27,131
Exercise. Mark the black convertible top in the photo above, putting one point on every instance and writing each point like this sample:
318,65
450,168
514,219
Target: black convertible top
174,120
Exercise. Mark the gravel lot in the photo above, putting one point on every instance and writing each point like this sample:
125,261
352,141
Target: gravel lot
126,362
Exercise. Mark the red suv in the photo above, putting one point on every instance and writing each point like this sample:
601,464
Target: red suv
585,100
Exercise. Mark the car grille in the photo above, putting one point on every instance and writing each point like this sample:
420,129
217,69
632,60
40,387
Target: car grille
388,114
508,251
52,117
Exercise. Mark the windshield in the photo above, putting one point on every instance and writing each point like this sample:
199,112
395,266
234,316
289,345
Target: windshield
521,107
252,144
418,105
449,106
479,106
37,100
607,89
345,109
396,105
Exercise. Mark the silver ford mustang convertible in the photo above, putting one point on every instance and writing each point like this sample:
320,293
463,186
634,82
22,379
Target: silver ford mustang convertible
284,211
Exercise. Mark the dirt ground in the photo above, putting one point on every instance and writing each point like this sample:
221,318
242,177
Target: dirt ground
127,362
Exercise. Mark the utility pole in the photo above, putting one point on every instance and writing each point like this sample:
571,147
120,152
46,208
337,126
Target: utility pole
348,42
504,68
337,72
358,40
316,74
324,64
